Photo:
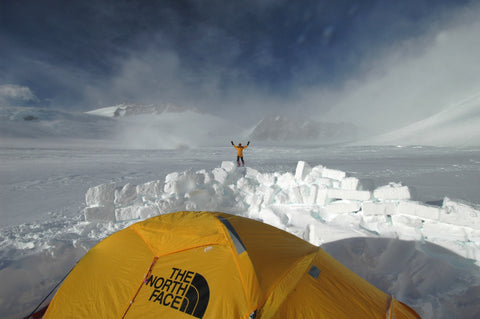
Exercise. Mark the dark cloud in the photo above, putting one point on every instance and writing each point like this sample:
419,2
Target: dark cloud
223,56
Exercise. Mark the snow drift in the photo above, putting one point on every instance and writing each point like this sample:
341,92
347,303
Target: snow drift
277,128
457,125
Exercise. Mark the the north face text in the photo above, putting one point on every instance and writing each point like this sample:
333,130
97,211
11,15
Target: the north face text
183,290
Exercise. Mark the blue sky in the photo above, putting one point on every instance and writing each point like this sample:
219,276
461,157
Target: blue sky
225,57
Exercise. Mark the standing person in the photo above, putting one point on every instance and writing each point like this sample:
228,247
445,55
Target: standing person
240,149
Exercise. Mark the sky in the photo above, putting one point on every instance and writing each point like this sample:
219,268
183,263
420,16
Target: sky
369,61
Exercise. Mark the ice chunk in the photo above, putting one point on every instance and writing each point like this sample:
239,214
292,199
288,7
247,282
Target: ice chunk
348,194
302,170
333,174
100,213
392,191
100,195
418,209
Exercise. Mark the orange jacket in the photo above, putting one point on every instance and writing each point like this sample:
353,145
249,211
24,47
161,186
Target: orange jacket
240,149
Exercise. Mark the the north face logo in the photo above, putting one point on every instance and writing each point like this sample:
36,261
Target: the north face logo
183,290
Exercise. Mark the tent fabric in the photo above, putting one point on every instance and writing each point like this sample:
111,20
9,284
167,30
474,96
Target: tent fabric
215,265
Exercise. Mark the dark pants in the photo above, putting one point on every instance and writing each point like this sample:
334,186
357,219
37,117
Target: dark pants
238,160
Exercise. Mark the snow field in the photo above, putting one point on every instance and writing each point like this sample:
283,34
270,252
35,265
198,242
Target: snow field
318,204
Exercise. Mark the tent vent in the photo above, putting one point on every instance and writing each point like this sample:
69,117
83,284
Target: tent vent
314,272
239,246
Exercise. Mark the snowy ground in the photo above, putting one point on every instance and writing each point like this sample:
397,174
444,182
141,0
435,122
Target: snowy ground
44,232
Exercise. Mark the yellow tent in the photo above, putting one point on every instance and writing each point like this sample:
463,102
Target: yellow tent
215,265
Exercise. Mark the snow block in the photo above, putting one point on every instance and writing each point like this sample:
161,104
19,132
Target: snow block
296,195
342,207
127,213
228,166
286,180
407,221
376,224
183,183
375,208
457,213
322,197
418,209
103,213
266,179
100,195
135,212
302,170
267,193
282,197
171,204
349,183
436,231
202,177
309,193
333,174
126,195
317,171
252,173
348,194
150,189
200,199
246,185
220,175
392,191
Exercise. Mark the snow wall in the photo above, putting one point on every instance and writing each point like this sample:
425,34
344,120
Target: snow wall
318,204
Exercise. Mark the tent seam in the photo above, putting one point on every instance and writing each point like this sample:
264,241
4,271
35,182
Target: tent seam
235,254
267,295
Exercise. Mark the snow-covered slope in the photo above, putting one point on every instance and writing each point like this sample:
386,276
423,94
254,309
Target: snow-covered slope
125,109
281,128
167,126
457,125
122,126
30,122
